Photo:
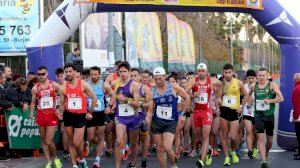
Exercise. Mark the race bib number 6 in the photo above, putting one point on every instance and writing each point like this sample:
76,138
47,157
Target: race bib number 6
229,101
46,102
164,112
75,103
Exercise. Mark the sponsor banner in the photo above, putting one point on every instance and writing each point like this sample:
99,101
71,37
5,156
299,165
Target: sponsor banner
23,132
187,47
94,33
19,20
253,4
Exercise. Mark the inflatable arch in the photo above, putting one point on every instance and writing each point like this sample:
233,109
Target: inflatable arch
45,48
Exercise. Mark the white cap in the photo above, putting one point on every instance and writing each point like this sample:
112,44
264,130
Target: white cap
202,66
159,71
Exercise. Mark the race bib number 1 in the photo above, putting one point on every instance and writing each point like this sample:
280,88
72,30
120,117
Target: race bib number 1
75,103
164,112
46,102
125,110
229,101
261,106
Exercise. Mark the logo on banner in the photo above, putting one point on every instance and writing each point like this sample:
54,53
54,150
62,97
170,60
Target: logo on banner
282,18
61,13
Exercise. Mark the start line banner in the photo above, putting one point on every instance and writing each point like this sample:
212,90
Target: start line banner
23,132
253,4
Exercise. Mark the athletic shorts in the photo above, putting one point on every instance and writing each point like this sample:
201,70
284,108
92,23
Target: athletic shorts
245,117
202,118
228,114
160,127
132,123
99,119
43,119
74,120
263,123
111,116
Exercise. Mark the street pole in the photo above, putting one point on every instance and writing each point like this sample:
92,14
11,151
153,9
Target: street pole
110,40
231,42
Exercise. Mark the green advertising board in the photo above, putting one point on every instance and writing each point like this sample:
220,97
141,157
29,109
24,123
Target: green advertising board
23,132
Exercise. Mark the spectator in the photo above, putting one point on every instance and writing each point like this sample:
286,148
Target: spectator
296,113
30,75
8,76
30,85
4,105
73,56
16,94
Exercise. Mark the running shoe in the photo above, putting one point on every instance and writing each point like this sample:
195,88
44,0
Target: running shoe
250,154
238,152
57,163
297,157
48,165
144,163
75,166
208,159
235,158
174,166
83,164
130,166
255,152
177,156
126,154
216,153
96,164
193,153
227,161
264,164
86,149
200,164
185,152
66,155
268,159
108,152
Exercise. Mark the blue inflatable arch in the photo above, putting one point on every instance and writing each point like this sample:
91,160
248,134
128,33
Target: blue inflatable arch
45,48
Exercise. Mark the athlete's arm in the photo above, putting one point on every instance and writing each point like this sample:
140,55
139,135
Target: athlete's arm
62,98
181,92
217,84
134,89
275,89
248,98
109,79
190,85
149,101
108,90
90,93
33,100
244,92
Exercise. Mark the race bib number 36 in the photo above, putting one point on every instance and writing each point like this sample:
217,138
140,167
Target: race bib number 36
46,102
125,110
201,99
229,101
164,112
261,106
75,103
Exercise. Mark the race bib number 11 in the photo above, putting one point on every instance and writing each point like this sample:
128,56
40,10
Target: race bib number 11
164,112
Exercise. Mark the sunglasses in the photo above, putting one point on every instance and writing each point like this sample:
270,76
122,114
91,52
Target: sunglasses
201,70
41,74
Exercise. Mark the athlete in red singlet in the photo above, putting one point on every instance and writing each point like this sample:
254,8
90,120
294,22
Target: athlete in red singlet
74,104
202,113
44,92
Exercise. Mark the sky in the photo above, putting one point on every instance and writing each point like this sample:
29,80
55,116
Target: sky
293,7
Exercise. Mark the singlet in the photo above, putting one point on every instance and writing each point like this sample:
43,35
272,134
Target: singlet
46,98
202,100
124,109
165,105
231,95
76,100
262,109
98,90
248,111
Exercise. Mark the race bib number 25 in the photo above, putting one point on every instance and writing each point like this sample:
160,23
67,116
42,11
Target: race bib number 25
46,102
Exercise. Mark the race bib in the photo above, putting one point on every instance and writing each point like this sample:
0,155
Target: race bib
229,101
75,103
201,99
98,105
125,110
261,106
164,112
46,102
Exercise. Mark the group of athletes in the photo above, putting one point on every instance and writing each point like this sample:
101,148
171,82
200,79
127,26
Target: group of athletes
129,112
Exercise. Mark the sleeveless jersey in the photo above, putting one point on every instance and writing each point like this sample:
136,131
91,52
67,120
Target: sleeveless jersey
98,90
202,100
165,105
260,107
46,98
123,108
231,95
76,100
